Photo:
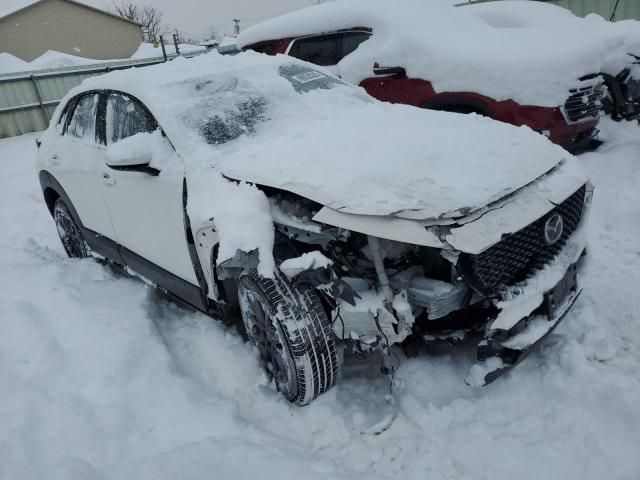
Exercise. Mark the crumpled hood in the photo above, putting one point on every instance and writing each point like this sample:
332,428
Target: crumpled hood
381,159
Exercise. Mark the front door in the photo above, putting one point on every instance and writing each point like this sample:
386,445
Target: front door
147,209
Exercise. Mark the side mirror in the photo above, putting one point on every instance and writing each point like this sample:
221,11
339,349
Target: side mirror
138,163
389,71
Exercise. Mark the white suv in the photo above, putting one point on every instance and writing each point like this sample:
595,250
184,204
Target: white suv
326,218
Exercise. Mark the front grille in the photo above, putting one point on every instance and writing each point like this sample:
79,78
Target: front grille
519,255
583,104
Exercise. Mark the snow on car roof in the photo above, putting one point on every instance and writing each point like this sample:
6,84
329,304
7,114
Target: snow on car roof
449,46
620,38
283,123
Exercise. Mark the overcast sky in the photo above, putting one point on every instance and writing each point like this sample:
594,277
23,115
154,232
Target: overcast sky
196,16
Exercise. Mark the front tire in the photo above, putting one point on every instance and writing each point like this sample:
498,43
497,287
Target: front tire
69,231
291,329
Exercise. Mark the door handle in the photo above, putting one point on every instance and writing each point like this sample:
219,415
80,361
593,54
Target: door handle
108,179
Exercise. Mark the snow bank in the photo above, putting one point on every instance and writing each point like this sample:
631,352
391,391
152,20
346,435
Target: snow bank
450,47
9,63
102,379
147,50
53,59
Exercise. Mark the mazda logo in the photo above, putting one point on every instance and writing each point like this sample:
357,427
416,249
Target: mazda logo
553,228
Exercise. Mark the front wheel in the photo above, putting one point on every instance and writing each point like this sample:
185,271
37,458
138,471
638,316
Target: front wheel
291,329
69,231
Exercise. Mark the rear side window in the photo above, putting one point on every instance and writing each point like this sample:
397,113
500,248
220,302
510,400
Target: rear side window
327,50
351,41
268,48
322,50
83,120
126,117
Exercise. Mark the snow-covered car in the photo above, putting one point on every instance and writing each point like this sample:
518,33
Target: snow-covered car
328,218
620,41
432,55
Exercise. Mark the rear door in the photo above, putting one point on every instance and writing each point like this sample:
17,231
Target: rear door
147,209
74,158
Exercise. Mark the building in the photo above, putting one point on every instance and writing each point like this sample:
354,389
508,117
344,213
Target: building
29,30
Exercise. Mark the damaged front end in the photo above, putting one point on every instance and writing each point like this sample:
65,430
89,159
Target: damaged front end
382,292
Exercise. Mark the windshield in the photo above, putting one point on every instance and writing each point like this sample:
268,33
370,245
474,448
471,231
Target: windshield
224,107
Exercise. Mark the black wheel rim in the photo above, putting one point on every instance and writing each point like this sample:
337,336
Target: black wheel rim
70,235
271,343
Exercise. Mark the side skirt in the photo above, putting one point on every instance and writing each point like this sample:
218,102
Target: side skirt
176,286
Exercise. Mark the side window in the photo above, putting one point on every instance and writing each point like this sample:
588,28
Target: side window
351,41
268,48
83,119
126,117
323,50
327,50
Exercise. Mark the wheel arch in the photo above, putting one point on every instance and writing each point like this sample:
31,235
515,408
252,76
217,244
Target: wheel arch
52,190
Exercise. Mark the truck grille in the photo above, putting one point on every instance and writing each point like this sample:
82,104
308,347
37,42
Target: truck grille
583,104
519,255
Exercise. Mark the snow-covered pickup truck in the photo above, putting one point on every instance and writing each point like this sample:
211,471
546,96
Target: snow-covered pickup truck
326,217
435,56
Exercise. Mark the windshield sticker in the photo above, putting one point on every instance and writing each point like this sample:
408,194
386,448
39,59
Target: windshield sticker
309,76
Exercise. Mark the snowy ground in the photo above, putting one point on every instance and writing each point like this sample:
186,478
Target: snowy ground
101,378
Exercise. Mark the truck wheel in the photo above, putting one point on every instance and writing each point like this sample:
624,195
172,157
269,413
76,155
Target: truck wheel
69,232
292,332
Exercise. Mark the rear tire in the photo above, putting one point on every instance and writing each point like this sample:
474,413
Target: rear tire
69,231
291,329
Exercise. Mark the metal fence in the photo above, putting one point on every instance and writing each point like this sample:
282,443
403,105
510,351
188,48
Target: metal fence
626,9
28,99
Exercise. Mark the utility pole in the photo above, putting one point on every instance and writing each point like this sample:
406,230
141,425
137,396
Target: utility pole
237,26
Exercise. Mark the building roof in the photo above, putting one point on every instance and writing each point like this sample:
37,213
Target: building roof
26,4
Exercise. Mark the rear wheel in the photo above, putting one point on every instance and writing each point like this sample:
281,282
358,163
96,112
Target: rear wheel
69,231
291,329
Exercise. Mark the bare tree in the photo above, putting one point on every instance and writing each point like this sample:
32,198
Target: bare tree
148,16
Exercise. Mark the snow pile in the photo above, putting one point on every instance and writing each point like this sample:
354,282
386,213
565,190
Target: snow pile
53,59
450,47
147,50
308,261
9,63
102,379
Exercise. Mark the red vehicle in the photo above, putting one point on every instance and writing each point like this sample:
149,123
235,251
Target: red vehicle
572,123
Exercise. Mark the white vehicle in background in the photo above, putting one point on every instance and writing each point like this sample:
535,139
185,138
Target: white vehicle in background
364,225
